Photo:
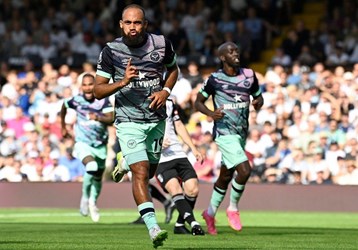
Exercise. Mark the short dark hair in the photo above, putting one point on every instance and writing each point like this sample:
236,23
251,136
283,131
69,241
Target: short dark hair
135,6
88,75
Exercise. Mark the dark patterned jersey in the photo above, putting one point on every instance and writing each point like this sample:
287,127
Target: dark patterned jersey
131,102
91,132
232,94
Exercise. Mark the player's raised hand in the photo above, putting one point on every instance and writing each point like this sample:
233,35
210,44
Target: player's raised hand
131,72
218,114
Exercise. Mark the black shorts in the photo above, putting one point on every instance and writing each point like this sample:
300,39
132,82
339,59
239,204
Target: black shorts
177,168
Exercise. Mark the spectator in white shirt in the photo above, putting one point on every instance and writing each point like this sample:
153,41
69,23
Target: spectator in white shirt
32,167
281,58
29,48
18,34
46,49
58,37
56,172
11,170
351,177
90,48
337,57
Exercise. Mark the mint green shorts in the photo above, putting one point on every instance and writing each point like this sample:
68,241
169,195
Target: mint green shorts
232,150
81,150
141,141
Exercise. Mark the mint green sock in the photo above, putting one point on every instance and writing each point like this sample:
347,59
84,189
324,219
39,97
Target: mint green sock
86,185
217,197
95,189
236,192
146,210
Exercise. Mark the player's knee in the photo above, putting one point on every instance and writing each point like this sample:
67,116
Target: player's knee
173,187
140,174
225,178
244,169
193,191
92,168
191,188
98,175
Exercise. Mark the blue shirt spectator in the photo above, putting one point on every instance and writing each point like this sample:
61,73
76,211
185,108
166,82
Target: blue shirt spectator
73,164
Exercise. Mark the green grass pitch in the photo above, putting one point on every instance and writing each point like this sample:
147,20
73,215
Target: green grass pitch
66,229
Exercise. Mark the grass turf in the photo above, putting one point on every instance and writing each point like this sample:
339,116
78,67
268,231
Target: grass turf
66,229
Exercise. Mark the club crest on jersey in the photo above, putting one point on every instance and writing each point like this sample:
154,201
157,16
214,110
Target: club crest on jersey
247,83
131,144
154,56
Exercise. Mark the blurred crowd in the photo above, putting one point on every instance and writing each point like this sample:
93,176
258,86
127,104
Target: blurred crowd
306,133
72,31
333,41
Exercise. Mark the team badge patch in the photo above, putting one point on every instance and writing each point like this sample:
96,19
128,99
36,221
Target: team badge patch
246,83
131,144
154,56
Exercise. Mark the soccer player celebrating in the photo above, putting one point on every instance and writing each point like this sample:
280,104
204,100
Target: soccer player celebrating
230,88
175,173
91,136
136,62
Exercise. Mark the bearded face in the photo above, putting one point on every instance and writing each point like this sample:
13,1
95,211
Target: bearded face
133,26
133,39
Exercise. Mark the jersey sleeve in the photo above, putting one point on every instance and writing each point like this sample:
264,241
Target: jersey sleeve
107,106
175,114
105,66
255,90
208,87
70,103
169,56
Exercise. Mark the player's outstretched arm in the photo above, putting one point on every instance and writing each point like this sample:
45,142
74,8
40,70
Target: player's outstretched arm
63,113
183,133
102,89
172,76
200,106
106,118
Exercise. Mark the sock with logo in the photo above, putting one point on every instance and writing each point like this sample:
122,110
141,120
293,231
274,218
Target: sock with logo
184,209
